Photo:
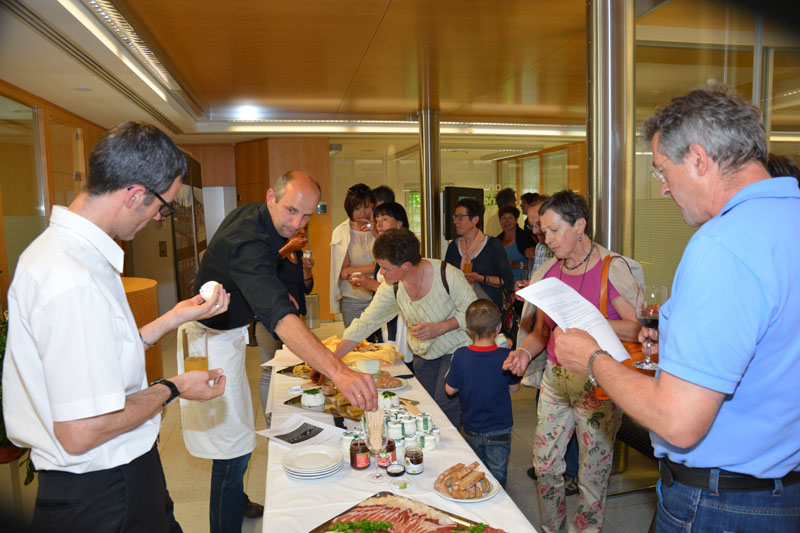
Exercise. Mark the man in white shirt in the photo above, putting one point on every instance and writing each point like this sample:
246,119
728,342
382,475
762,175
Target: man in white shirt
74,384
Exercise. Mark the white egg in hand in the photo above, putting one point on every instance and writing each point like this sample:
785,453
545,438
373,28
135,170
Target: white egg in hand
207,290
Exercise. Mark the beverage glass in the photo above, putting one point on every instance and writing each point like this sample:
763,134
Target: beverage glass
649,299
467,267
195,349
376,441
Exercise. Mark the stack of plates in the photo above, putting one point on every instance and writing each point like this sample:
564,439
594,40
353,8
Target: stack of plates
312,462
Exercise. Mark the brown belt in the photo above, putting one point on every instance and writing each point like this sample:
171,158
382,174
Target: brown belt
728,481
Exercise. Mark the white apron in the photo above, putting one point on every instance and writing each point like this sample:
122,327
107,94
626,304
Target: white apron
222,428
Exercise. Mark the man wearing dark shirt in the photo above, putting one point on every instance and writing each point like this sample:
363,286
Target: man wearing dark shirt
244,256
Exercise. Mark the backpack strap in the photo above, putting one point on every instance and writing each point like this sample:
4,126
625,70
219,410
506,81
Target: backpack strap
444,280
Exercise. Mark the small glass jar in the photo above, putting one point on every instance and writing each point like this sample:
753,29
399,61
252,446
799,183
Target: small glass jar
428,441
424,422
387,455
395,430
347,439
409,425
359,453
399,450
437,433
414,460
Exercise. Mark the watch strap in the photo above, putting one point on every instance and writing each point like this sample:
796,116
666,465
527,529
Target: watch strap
589,370
173,389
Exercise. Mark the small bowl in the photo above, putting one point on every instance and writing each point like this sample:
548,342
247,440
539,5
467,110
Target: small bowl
401,483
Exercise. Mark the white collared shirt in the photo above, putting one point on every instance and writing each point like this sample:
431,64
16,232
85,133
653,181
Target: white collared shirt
73,347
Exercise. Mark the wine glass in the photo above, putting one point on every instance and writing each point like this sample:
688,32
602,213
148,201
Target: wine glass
376,441
649,299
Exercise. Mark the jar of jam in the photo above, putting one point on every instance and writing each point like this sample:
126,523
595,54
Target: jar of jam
413,460
387,455
359,453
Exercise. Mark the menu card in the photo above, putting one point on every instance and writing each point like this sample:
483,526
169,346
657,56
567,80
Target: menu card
569,309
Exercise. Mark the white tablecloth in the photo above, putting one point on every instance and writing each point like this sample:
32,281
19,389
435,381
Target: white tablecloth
301,505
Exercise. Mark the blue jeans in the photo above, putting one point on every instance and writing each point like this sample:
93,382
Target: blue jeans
226,504
683,508
493,448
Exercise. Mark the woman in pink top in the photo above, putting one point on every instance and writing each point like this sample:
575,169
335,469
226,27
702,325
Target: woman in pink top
567,402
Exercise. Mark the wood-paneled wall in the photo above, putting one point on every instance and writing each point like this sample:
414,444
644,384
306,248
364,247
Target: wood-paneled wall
218,162
312,156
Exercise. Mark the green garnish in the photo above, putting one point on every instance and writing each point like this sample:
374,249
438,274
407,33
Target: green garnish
477,528
311,391
361,526
388,394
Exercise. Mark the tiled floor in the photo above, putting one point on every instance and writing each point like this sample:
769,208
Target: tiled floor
188,478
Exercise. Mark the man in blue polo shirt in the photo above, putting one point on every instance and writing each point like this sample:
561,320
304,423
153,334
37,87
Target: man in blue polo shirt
723,410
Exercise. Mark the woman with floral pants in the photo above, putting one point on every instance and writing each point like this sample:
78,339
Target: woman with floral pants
567,402
562,394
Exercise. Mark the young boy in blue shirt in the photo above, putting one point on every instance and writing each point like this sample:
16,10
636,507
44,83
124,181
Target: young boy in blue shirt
477,375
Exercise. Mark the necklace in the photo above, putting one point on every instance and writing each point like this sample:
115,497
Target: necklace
564,261
561,270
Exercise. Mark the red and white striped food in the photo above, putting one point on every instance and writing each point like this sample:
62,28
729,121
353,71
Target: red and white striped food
406,516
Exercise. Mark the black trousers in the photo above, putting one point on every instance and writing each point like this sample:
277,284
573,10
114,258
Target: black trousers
130,497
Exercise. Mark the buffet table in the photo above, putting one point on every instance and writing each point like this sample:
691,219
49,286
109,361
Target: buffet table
301,505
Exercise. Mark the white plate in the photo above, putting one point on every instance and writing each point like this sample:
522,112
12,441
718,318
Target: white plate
495,487
314,476
312,472
312,458
403,383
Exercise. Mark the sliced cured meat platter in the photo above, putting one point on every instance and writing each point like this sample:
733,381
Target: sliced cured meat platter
404,513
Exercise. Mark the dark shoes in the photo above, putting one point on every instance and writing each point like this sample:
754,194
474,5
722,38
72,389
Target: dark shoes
252,509
570,482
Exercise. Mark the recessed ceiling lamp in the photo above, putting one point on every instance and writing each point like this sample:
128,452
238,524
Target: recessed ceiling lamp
81,89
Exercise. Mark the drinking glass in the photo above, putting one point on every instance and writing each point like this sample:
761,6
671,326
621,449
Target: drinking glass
649,299
467,266
376,441
195,348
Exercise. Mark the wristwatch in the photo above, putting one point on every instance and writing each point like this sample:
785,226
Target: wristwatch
173,389
589,371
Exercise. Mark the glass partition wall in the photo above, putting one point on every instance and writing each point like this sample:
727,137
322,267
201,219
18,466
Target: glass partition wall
684,44
23,210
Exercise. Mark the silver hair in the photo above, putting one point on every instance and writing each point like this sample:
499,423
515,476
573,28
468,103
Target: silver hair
280,184
716,118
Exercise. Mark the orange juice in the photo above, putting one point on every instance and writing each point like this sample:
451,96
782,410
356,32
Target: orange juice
467,268
195,363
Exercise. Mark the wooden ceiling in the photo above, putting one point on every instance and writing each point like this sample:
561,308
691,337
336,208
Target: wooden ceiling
509,60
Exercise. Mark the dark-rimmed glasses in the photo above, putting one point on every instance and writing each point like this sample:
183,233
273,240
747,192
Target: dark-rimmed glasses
165,209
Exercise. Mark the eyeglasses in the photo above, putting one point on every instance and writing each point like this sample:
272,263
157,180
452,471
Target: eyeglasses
165,209
657,174
457,218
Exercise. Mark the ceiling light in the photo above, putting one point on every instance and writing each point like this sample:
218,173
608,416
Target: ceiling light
77,11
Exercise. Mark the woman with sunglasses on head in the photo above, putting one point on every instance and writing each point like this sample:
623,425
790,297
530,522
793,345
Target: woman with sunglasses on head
351,254
481,257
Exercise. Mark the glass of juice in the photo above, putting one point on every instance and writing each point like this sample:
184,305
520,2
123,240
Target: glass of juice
467,265
195,349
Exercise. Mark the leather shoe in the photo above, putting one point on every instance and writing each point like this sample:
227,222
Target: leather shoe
532,473
252,509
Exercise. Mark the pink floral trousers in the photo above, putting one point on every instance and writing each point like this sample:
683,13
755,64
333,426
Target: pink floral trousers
567,403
